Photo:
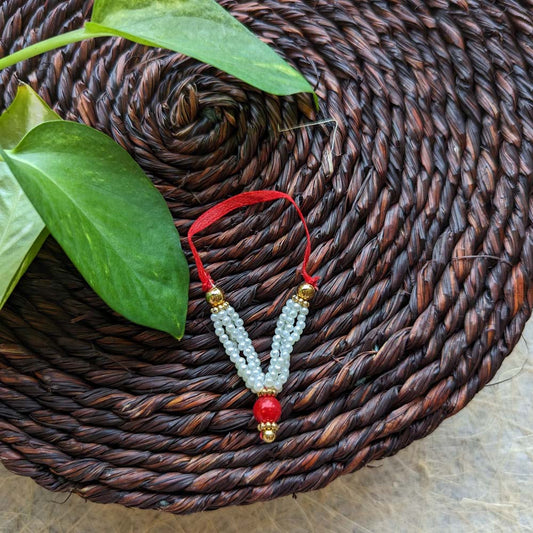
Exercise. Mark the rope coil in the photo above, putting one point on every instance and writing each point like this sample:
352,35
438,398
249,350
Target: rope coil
422,226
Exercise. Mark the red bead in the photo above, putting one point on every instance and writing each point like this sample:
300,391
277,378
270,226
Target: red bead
267,409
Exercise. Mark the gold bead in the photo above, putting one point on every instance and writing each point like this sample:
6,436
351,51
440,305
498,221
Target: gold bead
214,297
269,435
267,425
306,291
267,391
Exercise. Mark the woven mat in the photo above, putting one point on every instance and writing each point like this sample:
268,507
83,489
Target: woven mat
419,204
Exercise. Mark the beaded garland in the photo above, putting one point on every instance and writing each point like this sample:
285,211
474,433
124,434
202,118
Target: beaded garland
229,327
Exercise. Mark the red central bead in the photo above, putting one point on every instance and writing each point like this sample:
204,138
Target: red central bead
267,409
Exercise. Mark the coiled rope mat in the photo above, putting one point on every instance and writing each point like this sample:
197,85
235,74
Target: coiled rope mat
420,208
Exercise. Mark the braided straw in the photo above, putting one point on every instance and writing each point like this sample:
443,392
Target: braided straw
420,213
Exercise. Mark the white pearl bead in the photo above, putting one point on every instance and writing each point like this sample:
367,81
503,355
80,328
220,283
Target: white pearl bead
229,328
248,352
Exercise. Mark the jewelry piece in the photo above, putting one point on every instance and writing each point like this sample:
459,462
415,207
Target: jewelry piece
229,327
230,330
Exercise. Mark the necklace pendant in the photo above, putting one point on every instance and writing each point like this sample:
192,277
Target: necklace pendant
267,411
229,328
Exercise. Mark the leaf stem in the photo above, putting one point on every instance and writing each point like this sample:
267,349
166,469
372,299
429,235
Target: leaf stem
49,44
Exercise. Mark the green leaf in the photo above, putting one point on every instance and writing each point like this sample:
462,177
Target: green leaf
198,28
22,231
201,29
109,218
26,111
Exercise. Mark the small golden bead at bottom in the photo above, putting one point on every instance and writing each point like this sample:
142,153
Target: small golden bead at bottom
268,431
268,435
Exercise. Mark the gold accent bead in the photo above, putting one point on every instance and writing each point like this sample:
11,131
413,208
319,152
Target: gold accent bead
306,291
298,300
215,297
267,392
269,435
267,425
268,431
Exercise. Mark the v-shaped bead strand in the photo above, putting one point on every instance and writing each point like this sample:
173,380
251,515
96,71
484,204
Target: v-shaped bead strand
229,327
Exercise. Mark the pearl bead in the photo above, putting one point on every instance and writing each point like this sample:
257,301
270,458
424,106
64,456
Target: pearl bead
248,352
229,328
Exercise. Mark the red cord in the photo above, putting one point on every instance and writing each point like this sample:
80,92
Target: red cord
231,204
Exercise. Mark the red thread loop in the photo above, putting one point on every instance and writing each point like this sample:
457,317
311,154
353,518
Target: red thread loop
231,204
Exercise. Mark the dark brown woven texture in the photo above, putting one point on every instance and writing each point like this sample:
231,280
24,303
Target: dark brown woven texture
421,223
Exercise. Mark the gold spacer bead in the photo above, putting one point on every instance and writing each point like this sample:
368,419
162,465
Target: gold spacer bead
267,392
215,297
306,291
263,426
302,302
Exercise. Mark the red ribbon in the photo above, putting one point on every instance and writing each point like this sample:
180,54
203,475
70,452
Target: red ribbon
231,204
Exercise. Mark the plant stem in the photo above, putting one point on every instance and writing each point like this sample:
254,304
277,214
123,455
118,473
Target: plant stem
49,44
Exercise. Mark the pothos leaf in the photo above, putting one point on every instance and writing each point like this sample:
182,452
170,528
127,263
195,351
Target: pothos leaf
22,231
108,217
201,29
